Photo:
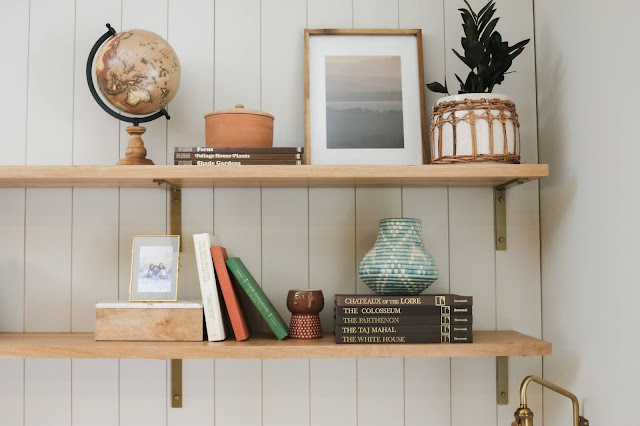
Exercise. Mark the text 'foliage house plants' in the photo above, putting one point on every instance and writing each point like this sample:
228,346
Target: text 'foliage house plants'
476,124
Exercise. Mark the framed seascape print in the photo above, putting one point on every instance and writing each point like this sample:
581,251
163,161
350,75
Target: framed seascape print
154,268
364,97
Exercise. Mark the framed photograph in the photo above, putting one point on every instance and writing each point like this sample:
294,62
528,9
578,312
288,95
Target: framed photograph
154,268
364,97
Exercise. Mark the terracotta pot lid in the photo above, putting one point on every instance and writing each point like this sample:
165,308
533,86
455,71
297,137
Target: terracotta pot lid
240,109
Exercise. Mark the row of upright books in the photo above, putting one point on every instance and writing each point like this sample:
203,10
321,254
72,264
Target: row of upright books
237,156
219,299
444,318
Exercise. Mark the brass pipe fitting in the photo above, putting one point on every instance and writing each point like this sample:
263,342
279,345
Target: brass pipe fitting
524,416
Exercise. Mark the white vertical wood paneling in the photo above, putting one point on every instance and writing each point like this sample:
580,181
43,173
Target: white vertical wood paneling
94,392
472,261
14,26
94,272
48,260
191,30
237,216
523,222
47,392
329,14
96,135
50,90
375,13
12,391
12,210
237,54
143,396
285,266
282,84
380,381
197,394
151,16
332,269
427,381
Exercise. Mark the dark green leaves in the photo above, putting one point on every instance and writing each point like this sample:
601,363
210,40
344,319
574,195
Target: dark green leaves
488,57
437,87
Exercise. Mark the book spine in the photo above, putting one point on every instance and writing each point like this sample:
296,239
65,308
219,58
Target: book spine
238,322
234,156
257,296
403,310
240,149
422,300
401,329
404,320
208,287
407,338
237,162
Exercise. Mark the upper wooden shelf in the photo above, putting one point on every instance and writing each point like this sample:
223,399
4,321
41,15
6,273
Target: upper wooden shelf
82,345
490,175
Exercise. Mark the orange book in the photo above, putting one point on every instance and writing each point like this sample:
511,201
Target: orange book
239,324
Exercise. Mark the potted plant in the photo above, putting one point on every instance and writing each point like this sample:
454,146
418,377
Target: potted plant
476,124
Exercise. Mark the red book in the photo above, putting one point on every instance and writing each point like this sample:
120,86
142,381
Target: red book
240,328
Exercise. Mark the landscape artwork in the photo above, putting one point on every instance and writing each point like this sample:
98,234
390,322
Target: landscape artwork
364,102
154,269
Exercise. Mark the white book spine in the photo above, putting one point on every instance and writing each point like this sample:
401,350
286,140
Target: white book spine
208,286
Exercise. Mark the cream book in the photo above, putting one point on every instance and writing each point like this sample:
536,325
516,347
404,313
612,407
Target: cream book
209,286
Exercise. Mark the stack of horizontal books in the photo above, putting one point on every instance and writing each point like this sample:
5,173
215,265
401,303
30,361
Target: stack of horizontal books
443,318
237,156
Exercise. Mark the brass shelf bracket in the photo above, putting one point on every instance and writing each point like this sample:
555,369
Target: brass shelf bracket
502,380
176,383
500,212
175,207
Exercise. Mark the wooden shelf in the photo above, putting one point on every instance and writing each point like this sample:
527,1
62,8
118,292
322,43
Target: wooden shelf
490,175
82,345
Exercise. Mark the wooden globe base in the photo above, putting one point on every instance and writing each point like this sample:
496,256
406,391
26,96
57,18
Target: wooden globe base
136,153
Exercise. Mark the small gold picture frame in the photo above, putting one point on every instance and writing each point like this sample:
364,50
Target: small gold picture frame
155,261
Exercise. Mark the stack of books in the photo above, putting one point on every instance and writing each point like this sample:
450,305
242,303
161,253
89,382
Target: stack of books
237,156
443,318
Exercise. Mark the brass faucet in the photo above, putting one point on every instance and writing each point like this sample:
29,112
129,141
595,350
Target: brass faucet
524,416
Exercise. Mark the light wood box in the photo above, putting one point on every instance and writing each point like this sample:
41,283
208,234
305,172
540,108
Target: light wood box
141,321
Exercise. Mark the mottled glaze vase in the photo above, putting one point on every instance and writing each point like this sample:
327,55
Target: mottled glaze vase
398,263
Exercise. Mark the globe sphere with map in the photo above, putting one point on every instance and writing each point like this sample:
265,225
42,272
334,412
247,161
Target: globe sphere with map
137,72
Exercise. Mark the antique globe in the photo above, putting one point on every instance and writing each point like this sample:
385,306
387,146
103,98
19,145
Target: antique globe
133,75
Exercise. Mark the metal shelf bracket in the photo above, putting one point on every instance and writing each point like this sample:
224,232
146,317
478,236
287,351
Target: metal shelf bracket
502,380
175,207
176,383
500,212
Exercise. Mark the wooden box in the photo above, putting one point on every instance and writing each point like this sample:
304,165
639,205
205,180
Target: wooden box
164,321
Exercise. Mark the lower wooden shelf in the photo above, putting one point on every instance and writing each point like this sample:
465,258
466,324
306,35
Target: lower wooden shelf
82,345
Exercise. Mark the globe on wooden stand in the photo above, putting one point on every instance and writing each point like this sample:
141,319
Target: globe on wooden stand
137,73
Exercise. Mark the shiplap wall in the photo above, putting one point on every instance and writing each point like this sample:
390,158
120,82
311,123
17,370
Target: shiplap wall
62,250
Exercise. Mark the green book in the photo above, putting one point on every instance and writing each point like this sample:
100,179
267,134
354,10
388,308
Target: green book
257,296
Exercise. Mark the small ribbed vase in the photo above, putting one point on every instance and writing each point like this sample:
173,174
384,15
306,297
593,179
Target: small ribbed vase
398,263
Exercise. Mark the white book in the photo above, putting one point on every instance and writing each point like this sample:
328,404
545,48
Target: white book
209,286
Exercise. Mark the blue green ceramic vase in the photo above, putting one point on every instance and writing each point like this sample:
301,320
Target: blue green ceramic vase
398,263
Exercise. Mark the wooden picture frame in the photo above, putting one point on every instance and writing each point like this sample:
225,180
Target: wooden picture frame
155,268
417,33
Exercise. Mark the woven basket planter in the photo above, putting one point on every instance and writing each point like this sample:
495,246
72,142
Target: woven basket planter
475,127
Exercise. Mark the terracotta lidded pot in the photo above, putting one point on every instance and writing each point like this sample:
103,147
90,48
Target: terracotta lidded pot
305,305
239,126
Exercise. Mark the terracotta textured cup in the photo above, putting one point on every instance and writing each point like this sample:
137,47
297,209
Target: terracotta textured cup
239,126
305,305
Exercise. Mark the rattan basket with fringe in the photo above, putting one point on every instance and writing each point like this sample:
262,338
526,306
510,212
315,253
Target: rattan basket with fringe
475,130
